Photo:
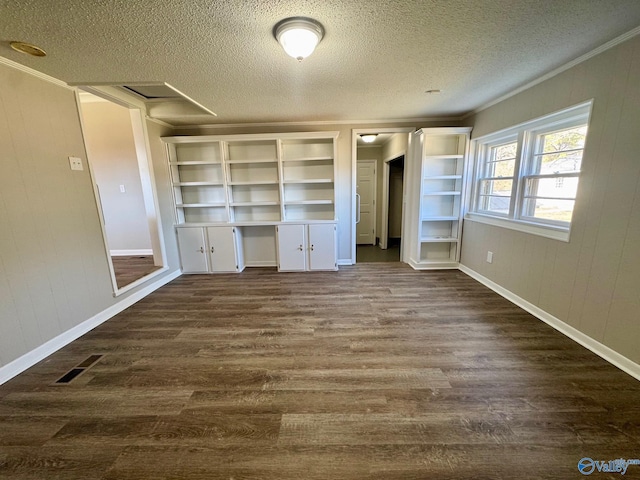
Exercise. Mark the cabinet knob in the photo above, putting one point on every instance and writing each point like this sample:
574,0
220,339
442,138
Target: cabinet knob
300,248
312,248
213,250
201,250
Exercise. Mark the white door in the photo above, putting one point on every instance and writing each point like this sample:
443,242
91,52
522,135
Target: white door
366,189
192,250
291,248
322,246
222,249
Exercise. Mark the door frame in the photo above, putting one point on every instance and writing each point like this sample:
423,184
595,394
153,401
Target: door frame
147,180
375,194
354,165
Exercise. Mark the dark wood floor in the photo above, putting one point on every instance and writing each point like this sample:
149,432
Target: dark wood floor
128,269
373,372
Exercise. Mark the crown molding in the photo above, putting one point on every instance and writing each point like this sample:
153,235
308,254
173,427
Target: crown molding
35,73
583,58
384,122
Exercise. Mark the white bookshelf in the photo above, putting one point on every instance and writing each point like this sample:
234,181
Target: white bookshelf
443,156
253,182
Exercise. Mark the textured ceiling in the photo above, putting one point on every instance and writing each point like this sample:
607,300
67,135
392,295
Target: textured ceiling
376,61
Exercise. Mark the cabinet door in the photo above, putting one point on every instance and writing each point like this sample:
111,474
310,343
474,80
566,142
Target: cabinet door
222,249
322,246
291,248
191,243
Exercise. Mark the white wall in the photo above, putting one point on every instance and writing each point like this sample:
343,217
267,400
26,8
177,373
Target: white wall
53,266
111,148
592,282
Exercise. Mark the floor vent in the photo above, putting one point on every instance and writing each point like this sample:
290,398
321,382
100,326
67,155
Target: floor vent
79,369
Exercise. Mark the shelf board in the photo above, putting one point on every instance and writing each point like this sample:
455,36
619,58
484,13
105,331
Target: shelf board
449,193
257,160
308,180
444,157
198,184
252,204
201,205
308,159
196,162
438,240
443,177
444,218
309,202
254,182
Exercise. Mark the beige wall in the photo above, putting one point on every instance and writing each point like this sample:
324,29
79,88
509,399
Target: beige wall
593,282
110,145
53,266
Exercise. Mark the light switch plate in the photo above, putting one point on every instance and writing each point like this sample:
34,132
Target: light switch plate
75,163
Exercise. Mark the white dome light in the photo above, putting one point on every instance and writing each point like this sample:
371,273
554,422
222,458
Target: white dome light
369,138
298,36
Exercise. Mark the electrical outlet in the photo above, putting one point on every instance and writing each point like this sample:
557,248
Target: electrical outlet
122,189
75,163
489,257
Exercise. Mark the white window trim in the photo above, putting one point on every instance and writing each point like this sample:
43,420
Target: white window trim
479,148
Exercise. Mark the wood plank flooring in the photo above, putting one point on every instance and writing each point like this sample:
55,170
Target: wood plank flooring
372,372
128,269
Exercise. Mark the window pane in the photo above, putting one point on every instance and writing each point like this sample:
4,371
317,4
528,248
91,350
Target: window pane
564,162
494,204
558,187
544,209
570,139
503,168
504,152
560,151
496,187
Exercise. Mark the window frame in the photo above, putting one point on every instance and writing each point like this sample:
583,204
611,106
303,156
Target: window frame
528,136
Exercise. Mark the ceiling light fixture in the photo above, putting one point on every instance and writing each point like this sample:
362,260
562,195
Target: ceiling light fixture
299,36
28,48
369,137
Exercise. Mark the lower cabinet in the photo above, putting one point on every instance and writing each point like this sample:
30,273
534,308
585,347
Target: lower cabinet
306,247
210,249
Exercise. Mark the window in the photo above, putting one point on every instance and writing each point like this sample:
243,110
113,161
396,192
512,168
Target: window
527,176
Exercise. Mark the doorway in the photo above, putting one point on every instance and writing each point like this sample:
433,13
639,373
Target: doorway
375,197
115,140
394,211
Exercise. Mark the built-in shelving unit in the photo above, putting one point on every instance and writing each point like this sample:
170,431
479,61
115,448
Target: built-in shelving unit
442,157
253,181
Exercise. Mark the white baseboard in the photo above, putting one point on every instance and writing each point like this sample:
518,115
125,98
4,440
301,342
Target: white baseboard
29,359
610,355
260,263
432,266
345,261
131,253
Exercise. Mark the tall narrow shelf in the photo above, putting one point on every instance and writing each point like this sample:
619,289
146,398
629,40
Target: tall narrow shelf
198,182
308,176
442,156
253,180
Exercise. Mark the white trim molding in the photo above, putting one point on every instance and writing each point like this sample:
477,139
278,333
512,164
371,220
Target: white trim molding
608,354
131,253
29,359
35,73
